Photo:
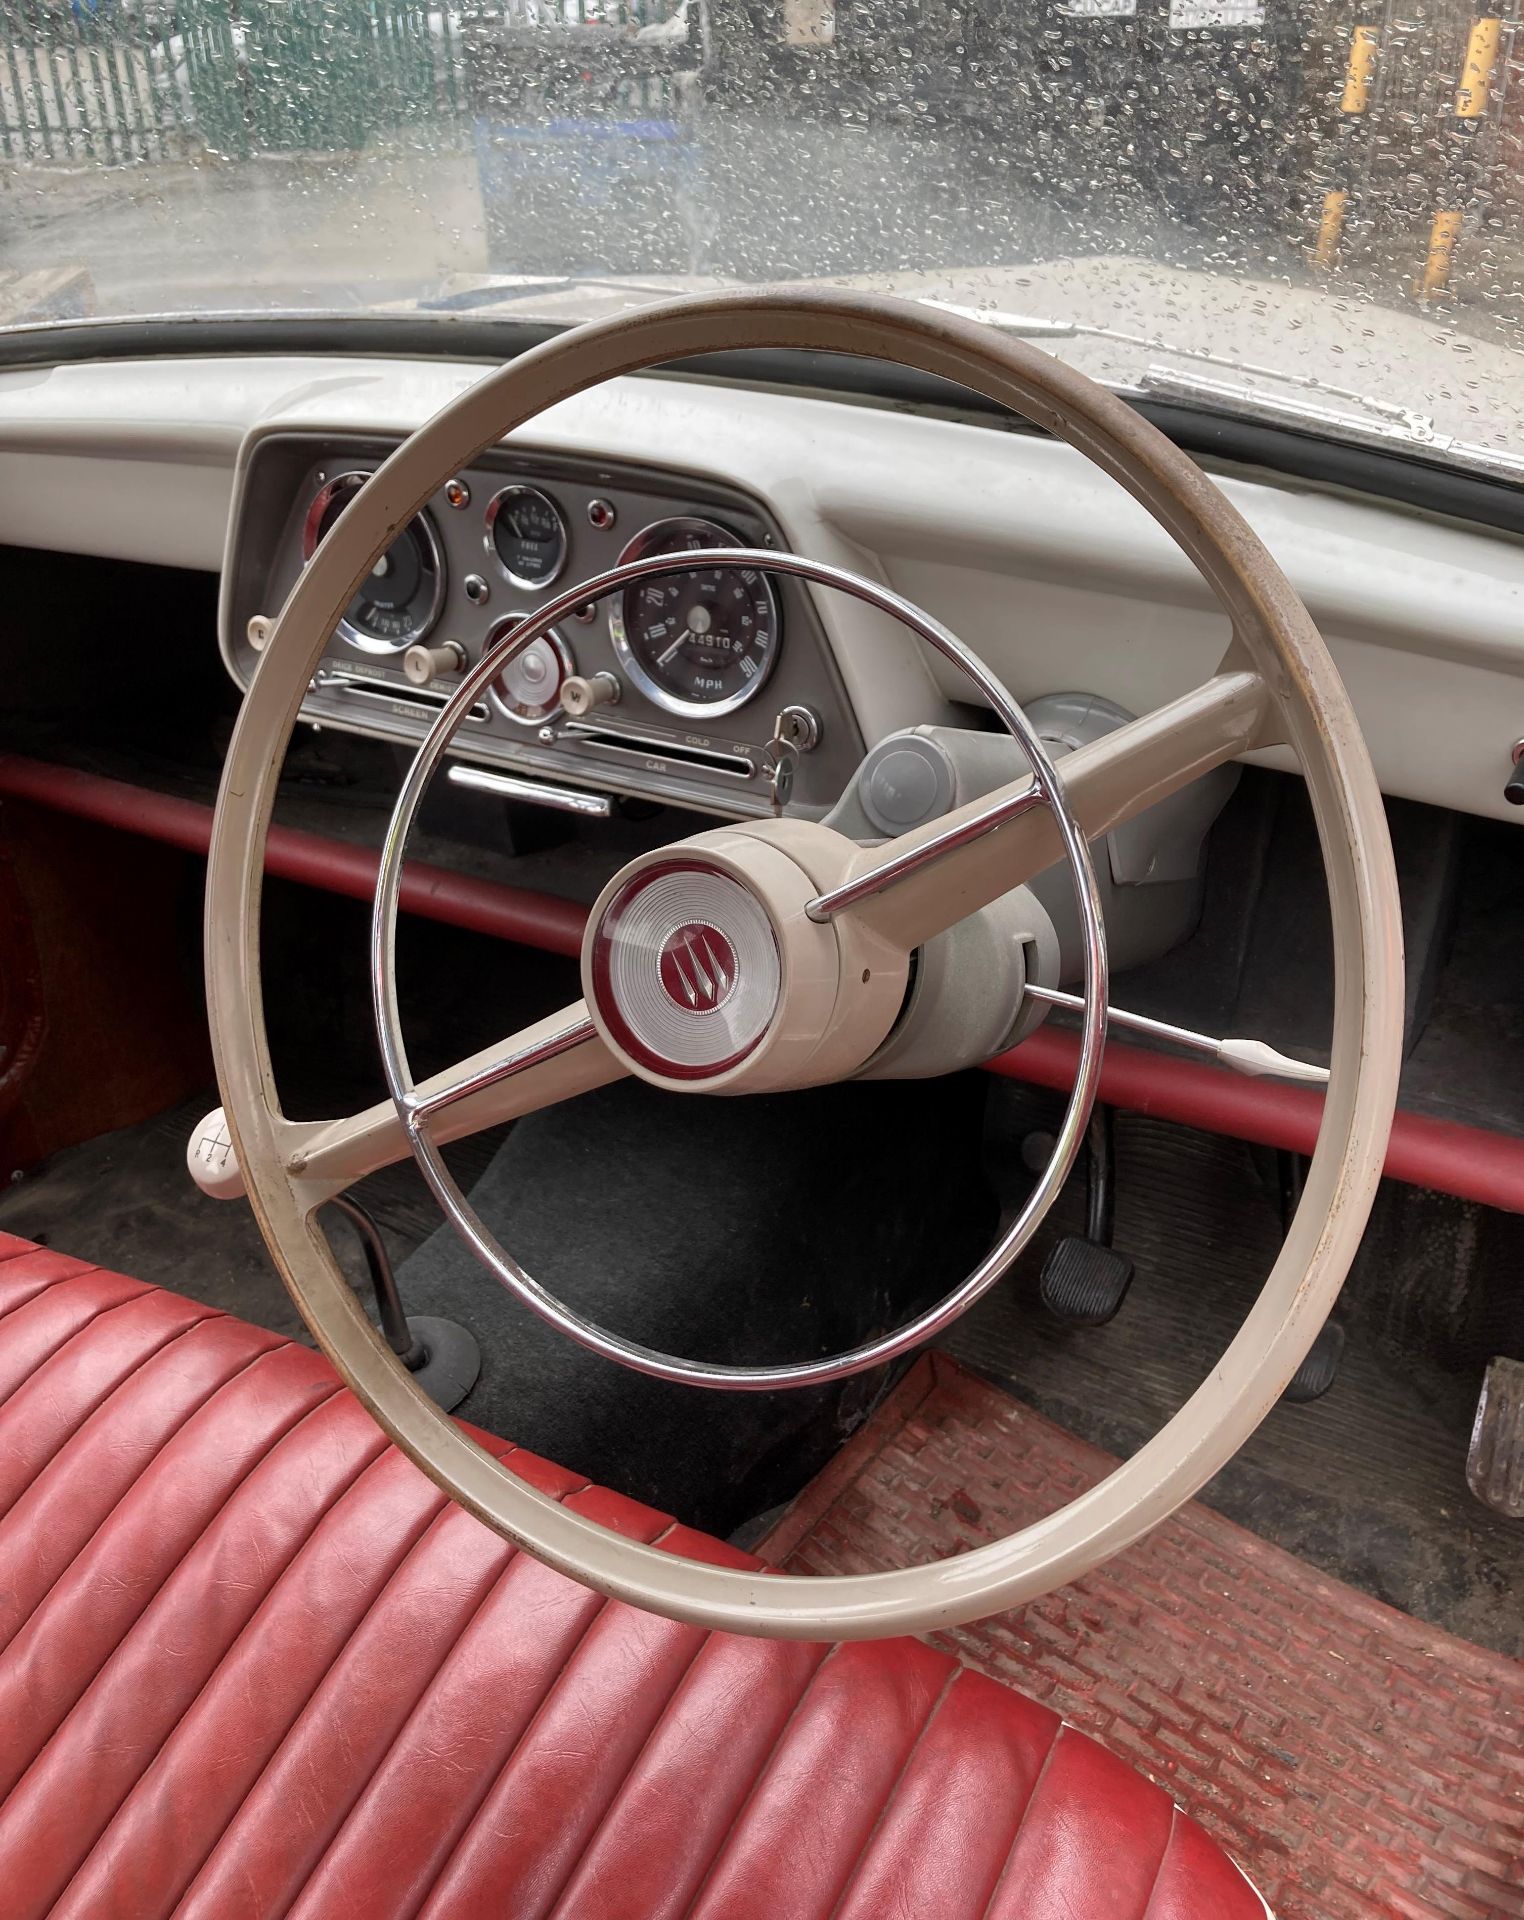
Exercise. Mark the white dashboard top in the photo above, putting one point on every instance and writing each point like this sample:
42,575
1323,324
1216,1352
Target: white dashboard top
1032,556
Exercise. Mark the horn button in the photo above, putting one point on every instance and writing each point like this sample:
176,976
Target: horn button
686,970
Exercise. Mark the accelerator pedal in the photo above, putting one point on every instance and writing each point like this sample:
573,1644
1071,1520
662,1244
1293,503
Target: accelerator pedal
1083,1283
1319,1368
1495,1462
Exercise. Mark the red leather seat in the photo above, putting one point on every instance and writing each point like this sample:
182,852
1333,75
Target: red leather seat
253,1663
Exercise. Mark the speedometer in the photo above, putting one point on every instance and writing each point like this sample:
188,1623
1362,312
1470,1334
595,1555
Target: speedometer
701,642
401,596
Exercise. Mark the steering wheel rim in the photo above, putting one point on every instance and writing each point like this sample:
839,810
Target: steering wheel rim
1272,629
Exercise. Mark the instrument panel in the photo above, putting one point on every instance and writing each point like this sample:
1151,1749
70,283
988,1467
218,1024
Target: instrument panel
680,686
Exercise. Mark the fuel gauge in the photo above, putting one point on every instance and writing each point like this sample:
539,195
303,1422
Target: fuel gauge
526,531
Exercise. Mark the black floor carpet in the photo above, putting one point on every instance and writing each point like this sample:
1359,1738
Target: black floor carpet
744,1232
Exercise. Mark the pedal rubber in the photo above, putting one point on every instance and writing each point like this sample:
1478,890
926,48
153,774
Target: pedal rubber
1319,1369
1495,1462
1084,1284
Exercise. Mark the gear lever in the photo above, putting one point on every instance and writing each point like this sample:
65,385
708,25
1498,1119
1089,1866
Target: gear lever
440,1354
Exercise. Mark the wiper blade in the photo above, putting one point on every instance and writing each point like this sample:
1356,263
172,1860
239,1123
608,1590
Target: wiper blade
1380,423
1027,326
1032,328
1409,433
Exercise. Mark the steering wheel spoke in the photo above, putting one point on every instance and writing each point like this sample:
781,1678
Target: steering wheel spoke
923,882
555,1059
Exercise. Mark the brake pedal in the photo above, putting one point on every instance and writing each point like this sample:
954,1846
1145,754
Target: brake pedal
1495,1460
1084,1284
1319,1368
1084,1279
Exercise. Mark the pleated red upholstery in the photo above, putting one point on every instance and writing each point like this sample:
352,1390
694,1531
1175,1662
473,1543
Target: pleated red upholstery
254,1664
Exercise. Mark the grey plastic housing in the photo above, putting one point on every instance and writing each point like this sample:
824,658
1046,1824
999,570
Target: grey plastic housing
1151,877
967,1001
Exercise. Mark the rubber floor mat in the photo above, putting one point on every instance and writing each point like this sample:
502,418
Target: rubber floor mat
1358,1764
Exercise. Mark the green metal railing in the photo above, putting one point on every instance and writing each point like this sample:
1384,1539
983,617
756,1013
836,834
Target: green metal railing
83,82
115,81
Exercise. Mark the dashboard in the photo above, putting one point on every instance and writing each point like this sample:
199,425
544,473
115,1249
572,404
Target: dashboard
672,690
1015,542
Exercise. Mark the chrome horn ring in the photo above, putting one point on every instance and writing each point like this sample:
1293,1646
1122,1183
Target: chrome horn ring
413,1114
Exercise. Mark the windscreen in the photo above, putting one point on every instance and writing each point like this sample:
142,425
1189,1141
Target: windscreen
1308,210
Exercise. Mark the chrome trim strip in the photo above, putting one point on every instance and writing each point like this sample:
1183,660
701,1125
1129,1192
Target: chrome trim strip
635,746
421,700
852,892
507,786
416,1111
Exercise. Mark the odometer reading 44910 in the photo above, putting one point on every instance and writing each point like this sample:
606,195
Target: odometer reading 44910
702,642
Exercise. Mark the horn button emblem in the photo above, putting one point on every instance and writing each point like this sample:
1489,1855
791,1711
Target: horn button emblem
685,970
698,967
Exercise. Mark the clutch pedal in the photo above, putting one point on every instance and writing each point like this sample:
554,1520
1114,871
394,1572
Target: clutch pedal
1084,1279
1495,1460
1319,1368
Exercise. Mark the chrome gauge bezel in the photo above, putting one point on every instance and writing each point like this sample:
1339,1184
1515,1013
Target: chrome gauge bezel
556,644
495,506
351,481
643,543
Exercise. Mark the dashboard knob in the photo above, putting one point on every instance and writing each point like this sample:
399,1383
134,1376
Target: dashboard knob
580,695
422,664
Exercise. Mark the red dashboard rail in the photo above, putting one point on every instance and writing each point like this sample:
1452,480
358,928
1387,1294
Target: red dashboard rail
508,913
1470,1162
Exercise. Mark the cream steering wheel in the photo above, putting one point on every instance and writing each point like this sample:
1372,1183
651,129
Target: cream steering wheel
816,938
